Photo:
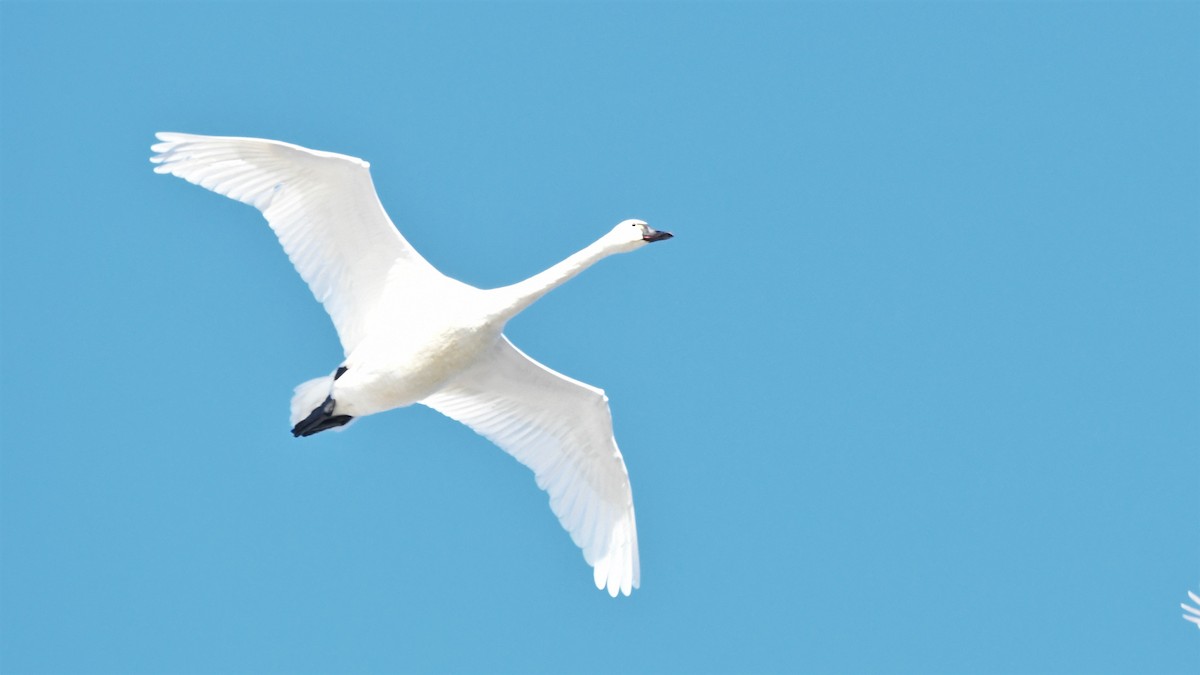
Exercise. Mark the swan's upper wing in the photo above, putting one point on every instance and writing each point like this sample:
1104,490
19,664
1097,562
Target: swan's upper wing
562,429
321,205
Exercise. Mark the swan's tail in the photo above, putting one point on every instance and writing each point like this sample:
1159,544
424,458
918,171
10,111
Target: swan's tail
312,407
309,396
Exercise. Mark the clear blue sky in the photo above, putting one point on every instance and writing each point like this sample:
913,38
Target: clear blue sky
915,388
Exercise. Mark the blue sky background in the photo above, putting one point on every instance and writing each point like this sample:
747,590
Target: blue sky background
915,388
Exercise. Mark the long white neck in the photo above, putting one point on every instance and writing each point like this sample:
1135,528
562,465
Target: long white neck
524,293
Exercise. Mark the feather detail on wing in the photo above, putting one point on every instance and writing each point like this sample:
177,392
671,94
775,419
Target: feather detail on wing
321,205
1194,612
562,430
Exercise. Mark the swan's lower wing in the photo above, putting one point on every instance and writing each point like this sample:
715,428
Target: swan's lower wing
562,430
321,205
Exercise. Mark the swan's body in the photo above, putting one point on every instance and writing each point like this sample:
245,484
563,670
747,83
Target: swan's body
413,335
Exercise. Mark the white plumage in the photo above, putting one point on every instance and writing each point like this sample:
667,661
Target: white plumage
412,335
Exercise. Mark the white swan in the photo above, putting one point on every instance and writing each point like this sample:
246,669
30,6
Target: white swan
413,335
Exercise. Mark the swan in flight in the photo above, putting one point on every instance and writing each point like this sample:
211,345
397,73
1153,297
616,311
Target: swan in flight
413,335
1194,612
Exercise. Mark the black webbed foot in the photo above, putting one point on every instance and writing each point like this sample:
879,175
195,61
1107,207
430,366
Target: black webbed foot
320,419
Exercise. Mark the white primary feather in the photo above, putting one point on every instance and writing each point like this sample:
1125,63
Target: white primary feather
1193,612
412,335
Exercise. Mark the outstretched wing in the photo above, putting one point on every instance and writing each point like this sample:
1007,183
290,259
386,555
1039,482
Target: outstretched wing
321,205
562,429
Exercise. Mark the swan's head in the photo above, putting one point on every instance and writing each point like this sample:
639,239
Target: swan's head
634,233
